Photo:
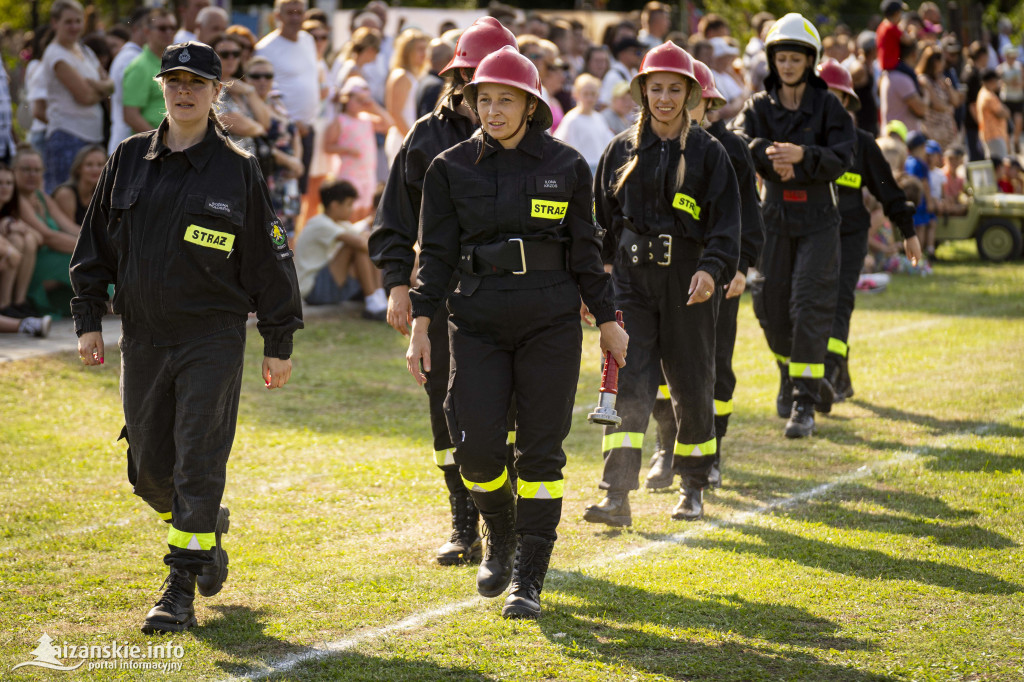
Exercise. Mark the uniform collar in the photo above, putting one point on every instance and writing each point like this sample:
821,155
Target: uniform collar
648,138
198,154
532,143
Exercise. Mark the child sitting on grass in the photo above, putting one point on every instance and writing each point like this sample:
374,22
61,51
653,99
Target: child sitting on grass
329,247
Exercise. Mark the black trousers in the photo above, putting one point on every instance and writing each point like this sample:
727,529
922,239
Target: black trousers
797,303
666,337
180,409
853,247
523,345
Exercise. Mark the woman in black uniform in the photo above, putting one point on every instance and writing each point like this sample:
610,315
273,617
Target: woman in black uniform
668,197
181,223
395,232
751,240
802,141
869,170
511,209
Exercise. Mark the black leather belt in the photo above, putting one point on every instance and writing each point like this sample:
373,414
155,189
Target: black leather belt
514,256
644,249
806,194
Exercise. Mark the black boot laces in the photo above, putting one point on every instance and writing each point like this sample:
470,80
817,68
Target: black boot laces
177,584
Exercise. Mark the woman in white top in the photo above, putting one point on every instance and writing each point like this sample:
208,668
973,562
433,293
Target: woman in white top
75,86
408,65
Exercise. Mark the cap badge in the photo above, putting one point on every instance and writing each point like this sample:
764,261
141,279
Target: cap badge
184,56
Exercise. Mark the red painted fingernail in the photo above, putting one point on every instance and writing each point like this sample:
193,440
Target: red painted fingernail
101,361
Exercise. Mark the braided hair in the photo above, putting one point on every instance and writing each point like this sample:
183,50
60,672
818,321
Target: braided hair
634,139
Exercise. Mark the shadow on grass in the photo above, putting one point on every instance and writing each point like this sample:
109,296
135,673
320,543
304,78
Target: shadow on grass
936,426
240,631
598,620
977,293
861,563
964,459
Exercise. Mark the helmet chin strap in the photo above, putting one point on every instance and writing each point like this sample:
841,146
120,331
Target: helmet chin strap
522,122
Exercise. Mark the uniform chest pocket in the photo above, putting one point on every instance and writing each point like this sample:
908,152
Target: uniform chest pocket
474,199
211,228
122,200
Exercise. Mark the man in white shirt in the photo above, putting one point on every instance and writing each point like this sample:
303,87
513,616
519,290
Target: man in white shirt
187,10
119,130
210,23
292,51
626,57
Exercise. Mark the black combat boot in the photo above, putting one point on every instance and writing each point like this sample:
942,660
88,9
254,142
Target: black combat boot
613,510
784,401
801,423
495,570
174,612
464,547
691,504
826,396
214,575
844,387
661,474
531,566
715,473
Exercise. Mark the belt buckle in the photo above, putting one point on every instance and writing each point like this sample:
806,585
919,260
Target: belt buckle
667,243
522,256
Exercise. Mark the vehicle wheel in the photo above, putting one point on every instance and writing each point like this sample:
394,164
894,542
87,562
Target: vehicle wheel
998,240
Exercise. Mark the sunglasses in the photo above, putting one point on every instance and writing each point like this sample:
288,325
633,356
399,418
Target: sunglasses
260,76
229,54
164,29
318,37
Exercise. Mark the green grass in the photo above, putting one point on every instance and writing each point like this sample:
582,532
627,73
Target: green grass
908,568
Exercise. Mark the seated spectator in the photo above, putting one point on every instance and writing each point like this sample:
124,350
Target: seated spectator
141,97
50,288
1008,176
1012,91
329,248
993,117
279,152
241,109
408,65
76,84
18,246
621,113
351,143
74,196
582,127
954,187
30,326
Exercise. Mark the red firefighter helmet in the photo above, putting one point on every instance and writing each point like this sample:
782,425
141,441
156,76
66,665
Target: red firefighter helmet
479,40
837,77
708,90
666,57
507,67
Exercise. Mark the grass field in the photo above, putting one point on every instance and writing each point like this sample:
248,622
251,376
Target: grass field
888,547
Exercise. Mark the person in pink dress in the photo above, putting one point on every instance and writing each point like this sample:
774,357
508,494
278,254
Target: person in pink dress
351,142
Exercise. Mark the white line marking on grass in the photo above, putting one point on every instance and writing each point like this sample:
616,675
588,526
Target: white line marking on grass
424,617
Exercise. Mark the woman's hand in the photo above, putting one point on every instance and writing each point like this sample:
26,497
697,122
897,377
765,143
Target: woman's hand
586,315
912,247
702,287
737,286
614,340
785,171
419,350
90,348
400,309
276,372
785,152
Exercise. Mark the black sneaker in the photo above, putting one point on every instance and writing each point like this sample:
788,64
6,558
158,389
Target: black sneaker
174,612
801,422
38,327
214,575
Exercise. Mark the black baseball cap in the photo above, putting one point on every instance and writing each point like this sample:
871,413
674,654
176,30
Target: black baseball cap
194,57
626,44
890,6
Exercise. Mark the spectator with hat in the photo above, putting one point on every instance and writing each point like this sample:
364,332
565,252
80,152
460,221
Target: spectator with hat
723,54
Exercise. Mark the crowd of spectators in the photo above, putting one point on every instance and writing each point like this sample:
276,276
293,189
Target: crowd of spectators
315,113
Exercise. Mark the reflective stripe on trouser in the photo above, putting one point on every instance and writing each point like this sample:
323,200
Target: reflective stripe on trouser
649,299
183,540
526,344
180,405
853,247
541,490
797,303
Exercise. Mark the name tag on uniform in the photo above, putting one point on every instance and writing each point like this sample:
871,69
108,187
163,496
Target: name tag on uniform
211,239
552,210
851,180
687,204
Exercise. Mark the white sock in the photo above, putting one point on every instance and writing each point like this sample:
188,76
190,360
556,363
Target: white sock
377,301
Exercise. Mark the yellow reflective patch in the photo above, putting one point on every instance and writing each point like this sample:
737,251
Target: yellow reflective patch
687,204
723,408
164,516
806,370
851,180
696,449
663,392
209,238
552,210
543,490
838,347
486,486
186,540
622,439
